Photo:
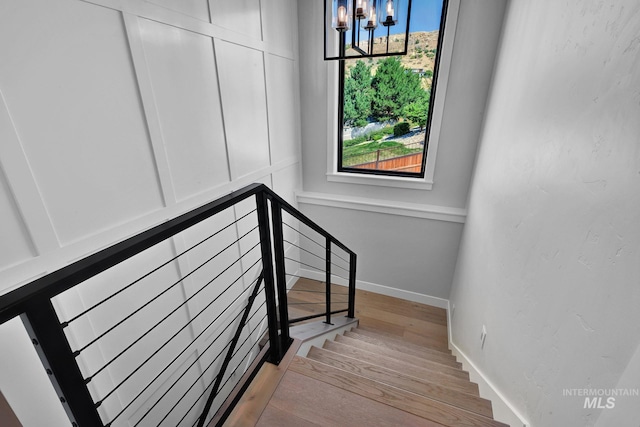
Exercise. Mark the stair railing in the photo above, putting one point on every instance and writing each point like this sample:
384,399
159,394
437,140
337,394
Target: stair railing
111,332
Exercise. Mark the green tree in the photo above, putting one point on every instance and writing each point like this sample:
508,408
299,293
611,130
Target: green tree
393,88
357,95
416,113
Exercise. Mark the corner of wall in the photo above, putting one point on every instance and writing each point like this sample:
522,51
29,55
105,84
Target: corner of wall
503,410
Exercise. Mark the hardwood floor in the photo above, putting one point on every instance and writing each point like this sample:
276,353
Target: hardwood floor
394,369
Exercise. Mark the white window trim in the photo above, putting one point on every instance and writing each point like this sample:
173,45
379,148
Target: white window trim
425,183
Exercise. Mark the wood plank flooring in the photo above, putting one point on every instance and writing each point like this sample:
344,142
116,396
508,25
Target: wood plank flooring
394,369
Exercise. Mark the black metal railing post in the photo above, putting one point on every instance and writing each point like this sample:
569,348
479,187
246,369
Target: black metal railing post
275,349
281,276
59,362
328,278
352,285
34,304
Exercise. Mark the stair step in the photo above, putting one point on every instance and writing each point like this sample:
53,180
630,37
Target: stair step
363,330
425,353
375,303
311,402
427,408
406,368
409,327
433,391
273,416
417,361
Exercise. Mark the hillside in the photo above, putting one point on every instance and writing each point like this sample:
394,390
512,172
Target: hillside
420,55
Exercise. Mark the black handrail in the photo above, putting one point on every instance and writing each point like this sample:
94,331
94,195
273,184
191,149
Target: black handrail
15,302
33,302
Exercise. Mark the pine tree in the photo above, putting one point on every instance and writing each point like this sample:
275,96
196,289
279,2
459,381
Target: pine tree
357,95
394,87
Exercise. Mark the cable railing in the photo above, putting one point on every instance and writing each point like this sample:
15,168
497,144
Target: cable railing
160,328
326,268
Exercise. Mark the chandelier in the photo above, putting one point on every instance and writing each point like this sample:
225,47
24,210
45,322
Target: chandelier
366,28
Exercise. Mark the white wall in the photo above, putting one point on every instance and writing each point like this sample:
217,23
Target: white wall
115,116
550,255
476,39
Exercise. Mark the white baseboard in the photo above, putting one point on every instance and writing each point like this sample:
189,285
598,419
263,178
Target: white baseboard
503,410
380,289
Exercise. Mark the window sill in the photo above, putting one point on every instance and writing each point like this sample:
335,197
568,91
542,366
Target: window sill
379,180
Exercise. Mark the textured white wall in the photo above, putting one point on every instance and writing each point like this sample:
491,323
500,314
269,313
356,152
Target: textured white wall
115,116
550,255
476,39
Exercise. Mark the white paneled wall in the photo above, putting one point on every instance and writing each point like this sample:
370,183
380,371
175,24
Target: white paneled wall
116,116
188,106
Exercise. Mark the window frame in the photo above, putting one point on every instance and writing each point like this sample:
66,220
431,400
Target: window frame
412,180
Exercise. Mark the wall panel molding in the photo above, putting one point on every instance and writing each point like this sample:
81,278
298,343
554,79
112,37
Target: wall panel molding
166,16
414,210
150,108
25,272
23,186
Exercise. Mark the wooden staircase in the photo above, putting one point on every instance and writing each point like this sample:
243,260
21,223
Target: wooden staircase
370,378
394,369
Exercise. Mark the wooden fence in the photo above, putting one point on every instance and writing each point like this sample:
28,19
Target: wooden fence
407,163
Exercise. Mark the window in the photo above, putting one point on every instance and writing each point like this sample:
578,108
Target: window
385,106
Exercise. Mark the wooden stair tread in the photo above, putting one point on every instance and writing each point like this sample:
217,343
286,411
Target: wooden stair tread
320,403
397,339
417,361
273,416
391,320
404,367
255,399
415,385
411,309
426,353
418,405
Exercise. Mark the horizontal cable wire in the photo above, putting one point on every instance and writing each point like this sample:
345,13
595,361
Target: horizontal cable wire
321,302
315,255
342,277
77,352
198,379
340,257
300,232
191,365
315,268
303,249
88,379
317,292
239,363
314,241
179,354
314,316
307,265
230,376
65,324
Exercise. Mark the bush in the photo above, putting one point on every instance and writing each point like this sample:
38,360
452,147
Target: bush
376,137
401,128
